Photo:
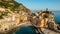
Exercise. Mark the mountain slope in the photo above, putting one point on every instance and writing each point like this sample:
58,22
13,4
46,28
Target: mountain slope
12,6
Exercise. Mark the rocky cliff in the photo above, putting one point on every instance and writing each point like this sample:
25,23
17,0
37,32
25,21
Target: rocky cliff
47,20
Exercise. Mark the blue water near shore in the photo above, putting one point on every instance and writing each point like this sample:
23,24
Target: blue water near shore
57,16
26,30
29,30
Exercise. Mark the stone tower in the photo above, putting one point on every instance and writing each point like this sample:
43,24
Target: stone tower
46,9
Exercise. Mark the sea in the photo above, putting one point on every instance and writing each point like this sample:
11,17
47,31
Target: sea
30,30
57,16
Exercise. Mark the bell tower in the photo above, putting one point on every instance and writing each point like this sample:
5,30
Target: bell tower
46,9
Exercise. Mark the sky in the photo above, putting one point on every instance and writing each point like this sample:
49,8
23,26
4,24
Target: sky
41,4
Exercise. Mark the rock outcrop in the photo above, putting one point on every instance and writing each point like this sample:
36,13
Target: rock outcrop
45,19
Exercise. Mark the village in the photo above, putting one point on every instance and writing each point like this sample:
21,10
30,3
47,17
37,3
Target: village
11,20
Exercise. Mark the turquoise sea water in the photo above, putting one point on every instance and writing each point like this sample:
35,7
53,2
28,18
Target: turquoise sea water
26,30
29,30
